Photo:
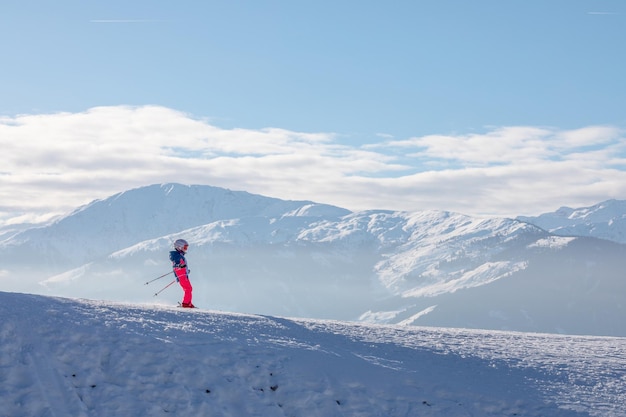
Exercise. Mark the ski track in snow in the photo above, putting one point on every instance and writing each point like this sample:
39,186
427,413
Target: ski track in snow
62,357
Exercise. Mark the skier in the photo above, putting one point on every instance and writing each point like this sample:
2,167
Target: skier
181,270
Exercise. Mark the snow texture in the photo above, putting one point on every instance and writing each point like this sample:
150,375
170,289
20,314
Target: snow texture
65,357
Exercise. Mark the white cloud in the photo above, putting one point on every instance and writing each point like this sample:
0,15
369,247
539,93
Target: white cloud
588,136
502,145
54,162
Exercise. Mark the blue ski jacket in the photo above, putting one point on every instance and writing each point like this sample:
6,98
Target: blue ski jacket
179,262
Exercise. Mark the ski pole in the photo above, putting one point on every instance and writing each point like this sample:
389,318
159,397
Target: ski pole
161,290
164,275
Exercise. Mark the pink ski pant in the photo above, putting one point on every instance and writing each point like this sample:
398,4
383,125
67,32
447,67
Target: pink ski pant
184,282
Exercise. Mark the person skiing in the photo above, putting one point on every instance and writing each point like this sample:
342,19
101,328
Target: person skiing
181,270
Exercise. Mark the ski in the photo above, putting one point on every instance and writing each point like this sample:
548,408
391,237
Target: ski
181,306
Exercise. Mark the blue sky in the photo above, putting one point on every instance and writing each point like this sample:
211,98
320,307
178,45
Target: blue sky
402,98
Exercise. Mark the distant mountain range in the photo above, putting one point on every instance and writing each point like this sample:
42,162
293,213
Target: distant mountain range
606,220
559,272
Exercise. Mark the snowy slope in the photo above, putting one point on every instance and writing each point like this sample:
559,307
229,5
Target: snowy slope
430,252
606,220
62,357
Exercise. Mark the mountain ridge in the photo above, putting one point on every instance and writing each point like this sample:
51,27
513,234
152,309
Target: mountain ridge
256,254
605,220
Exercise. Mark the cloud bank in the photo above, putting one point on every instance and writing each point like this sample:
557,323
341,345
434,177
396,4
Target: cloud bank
56,162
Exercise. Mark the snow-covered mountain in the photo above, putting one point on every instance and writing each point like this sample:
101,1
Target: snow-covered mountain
606,220
63,357
254,254
120,221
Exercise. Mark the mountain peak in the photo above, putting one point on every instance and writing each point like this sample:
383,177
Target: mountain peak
154,211
605,220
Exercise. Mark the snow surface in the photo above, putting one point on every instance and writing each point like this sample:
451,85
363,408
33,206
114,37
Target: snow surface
67,357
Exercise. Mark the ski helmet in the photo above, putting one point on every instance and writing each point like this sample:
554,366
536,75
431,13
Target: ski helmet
181,244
